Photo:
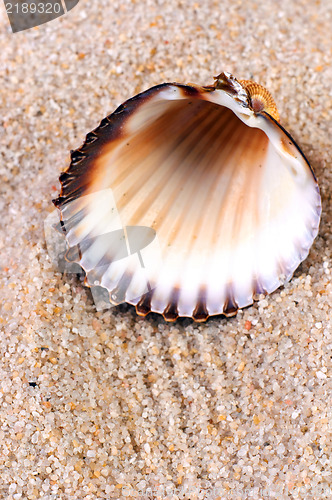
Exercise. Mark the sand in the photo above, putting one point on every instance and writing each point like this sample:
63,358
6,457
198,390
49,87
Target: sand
101,405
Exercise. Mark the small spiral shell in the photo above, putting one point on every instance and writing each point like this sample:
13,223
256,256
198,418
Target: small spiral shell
260,98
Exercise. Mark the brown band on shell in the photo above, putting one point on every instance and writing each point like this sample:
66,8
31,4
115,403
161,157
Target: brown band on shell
230,306
171,312
201,313
144,305
91,137
260,98
66,177
77,156
76,179
190,90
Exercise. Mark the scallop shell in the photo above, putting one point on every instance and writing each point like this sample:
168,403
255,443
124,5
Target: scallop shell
206,185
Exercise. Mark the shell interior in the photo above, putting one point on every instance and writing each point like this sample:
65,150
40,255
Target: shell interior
212,203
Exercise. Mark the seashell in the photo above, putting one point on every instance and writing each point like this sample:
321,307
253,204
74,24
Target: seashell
216,195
